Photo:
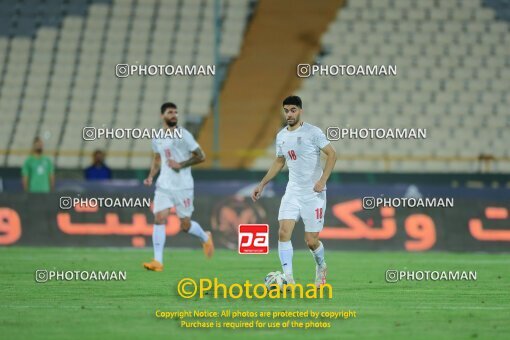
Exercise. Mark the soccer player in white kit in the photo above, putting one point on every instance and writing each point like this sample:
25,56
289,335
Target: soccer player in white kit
299,145
174,187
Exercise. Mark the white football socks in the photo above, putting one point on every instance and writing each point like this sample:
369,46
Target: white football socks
286,251
158,241
318,254
197,231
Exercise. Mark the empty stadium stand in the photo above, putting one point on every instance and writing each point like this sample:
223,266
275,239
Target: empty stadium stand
453,62
57,71
57,75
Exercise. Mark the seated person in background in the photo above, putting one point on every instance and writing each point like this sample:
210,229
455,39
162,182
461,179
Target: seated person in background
98,169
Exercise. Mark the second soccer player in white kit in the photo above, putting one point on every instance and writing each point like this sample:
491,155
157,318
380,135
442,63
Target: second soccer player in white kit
174,187
299,145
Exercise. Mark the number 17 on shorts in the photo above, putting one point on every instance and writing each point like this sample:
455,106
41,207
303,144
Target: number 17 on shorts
253,239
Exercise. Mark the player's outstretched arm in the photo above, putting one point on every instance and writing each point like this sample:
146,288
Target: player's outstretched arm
275,168
330,153
155,166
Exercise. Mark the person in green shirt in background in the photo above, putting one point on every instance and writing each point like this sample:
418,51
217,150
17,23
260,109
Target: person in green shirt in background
38,172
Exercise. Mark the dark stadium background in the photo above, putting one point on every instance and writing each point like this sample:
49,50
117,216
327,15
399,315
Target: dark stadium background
57,76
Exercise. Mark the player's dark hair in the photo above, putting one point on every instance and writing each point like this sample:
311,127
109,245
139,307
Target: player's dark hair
167,105
293,100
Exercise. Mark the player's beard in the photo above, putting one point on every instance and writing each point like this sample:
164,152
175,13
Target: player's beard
171,122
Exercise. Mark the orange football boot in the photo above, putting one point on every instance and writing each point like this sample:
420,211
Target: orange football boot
154,265
208,246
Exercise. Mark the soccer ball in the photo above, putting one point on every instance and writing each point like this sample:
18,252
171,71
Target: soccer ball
275,280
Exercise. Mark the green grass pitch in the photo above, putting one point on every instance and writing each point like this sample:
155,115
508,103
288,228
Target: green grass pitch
126,310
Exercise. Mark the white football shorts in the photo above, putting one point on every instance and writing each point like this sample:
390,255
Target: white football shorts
310,207
182,200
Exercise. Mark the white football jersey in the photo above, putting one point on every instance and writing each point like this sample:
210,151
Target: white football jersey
301,149
178,149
